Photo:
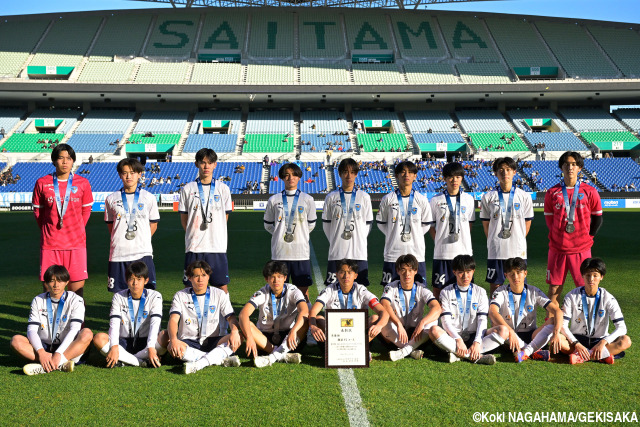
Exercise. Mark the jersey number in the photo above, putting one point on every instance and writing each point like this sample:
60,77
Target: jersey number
438,278
491,272
386,277
112,283
452,228
331,277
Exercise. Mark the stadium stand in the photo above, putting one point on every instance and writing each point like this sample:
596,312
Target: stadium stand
555,141
106,121
320,35
28,142
29,172
68,117
67,41
218,73
418,36
218,142
434,120
367,31
372,178
429,177
468,38
173,35
158,138
483,121
618,43
519,115
271,35
430,141
276,74
94,143
544,174
319,142
223,30
387,119
615,174
121,36
106,72
383,142
9,117
591,120
364,74
251,172
630,116
162,72
268,143
162,122
612,140
430,74
480,177
232,117
327,122
17,39
323,74
480,73
270,122
503,141
313,181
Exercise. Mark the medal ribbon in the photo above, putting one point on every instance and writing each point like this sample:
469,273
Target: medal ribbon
406,227
274,306
136,318
54,324
288,216
205,213
348,214
570,209
590,319
132,214
523,299
465,312
202,319
454,214
403,303
350,298
506,211
62,209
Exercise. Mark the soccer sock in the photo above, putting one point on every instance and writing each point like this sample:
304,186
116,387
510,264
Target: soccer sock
279,352
491,342
104,350
192,354
125,357
217,355
63,360
446,343
413,344
540,340
144,353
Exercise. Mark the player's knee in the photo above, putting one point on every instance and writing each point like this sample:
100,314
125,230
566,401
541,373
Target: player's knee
435,332
373,319
100,340
625,342
503,331
17,343
85,335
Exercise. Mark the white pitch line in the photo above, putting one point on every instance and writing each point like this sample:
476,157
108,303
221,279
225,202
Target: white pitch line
350,393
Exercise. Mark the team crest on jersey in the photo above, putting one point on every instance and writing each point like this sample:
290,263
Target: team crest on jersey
516,206
74,189
42,326
529,308
507,317
212,309
187,321
145,314
300,209
386,289
216,197
414,211
257,294
580,196
64,318
140,206
358,207
601,313
463,209
475,306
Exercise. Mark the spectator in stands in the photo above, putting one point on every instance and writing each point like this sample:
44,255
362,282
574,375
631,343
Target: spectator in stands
265,161
2,132
543,156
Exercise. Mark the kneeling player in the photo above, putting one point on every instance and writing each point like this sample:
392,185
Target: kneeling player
464,316
282,312
197,319
405,300
513,315
55,337
588,337
345,293
134,323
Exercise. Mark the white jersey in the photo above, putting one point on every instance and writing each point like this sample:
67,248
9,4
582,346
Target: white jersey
391,223
516,244
334,225
535,297
422,299
219,310
72,311
362,297
445,248
120,309
214,238
286,307
121,248
450,307
304,220
608,309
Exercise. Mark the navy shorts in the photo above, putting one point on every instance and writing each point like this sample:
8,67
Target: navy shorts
282,335
526,336
389,273
209,344
133,346
363,273
442,274
495,271
590,342
117,278
299,273
50,348
217,262
469,341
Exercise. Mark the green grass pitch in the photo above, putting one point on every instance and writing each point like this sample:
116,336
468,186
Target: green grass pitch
426,392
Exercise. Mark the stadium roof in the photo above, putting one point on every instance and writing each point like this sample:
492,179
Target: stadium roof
400,4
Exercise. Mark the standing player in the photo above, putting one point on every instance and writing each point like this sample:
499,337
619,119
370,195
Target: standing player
282,318
55,338
204,208
573,213
453,213
506,213
134,323
62,205
464,316
197,324
404,217
405,301
587,338
290,217
513,315
346,221
132,217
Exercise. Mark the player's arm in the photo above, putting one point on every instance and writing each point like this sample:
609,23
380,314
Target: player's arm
497,319
432,232
527,226
383,318
268,219
234,339
87,203
450,329
184,218
553,309
485,227
35,201
474,350
548,210
317,332
303,314
245,326
44,357
176,347
596,223
613,309
435,310
402,333
74,328
596,213
153,226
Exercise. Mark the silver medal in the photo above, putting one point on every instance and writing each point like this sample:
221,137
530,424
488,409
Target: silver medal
130,235
505,234
288,237
455,237
346,235
60,223
203,226
570,228
405,237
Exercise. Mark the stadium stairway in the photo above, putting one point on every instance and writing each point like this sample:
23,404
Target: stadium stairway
392,174
185,133
35,49
561,71
604,52
265,179
526,178
128,133
297,149
414,147
497,48
331,182
72,130
594,182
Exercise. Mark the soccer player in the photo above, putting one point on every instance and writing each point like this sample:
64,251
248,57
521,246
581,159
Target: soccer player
62,205
345,293
197,324
454,213
464,316
506,213
573,212
404,217
282,318
588,337
134,323
346,220
405,300
290,217
132,217
513,315
204,209
55,338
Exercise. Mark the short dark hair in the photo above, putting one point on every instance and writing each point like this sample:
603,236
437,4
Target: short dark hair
452,169
55,154
198,264
58,272
593,264
352,264
409,260
347,164
275,267
516,263
132,162
578,158
137,269
463,263
506,161
206,153
295,170
410,166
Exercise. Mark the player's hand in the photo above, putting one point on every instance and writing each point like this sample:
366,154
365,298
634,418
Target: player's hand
461,348
474,351
514,342
44,357
235,339
402,334
112,356
416,333
375,329
582,351
250,347
555,343
153,357
55,361
318,334
292,339
177,348
596,351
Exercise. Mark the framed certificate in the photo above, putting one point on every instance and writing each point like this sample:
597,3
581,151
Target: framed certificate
347,344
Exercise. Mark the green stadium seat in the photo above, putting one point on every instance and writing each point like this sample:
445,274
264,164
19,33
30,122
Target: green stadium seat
382,141
268,143
483,140
28,142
